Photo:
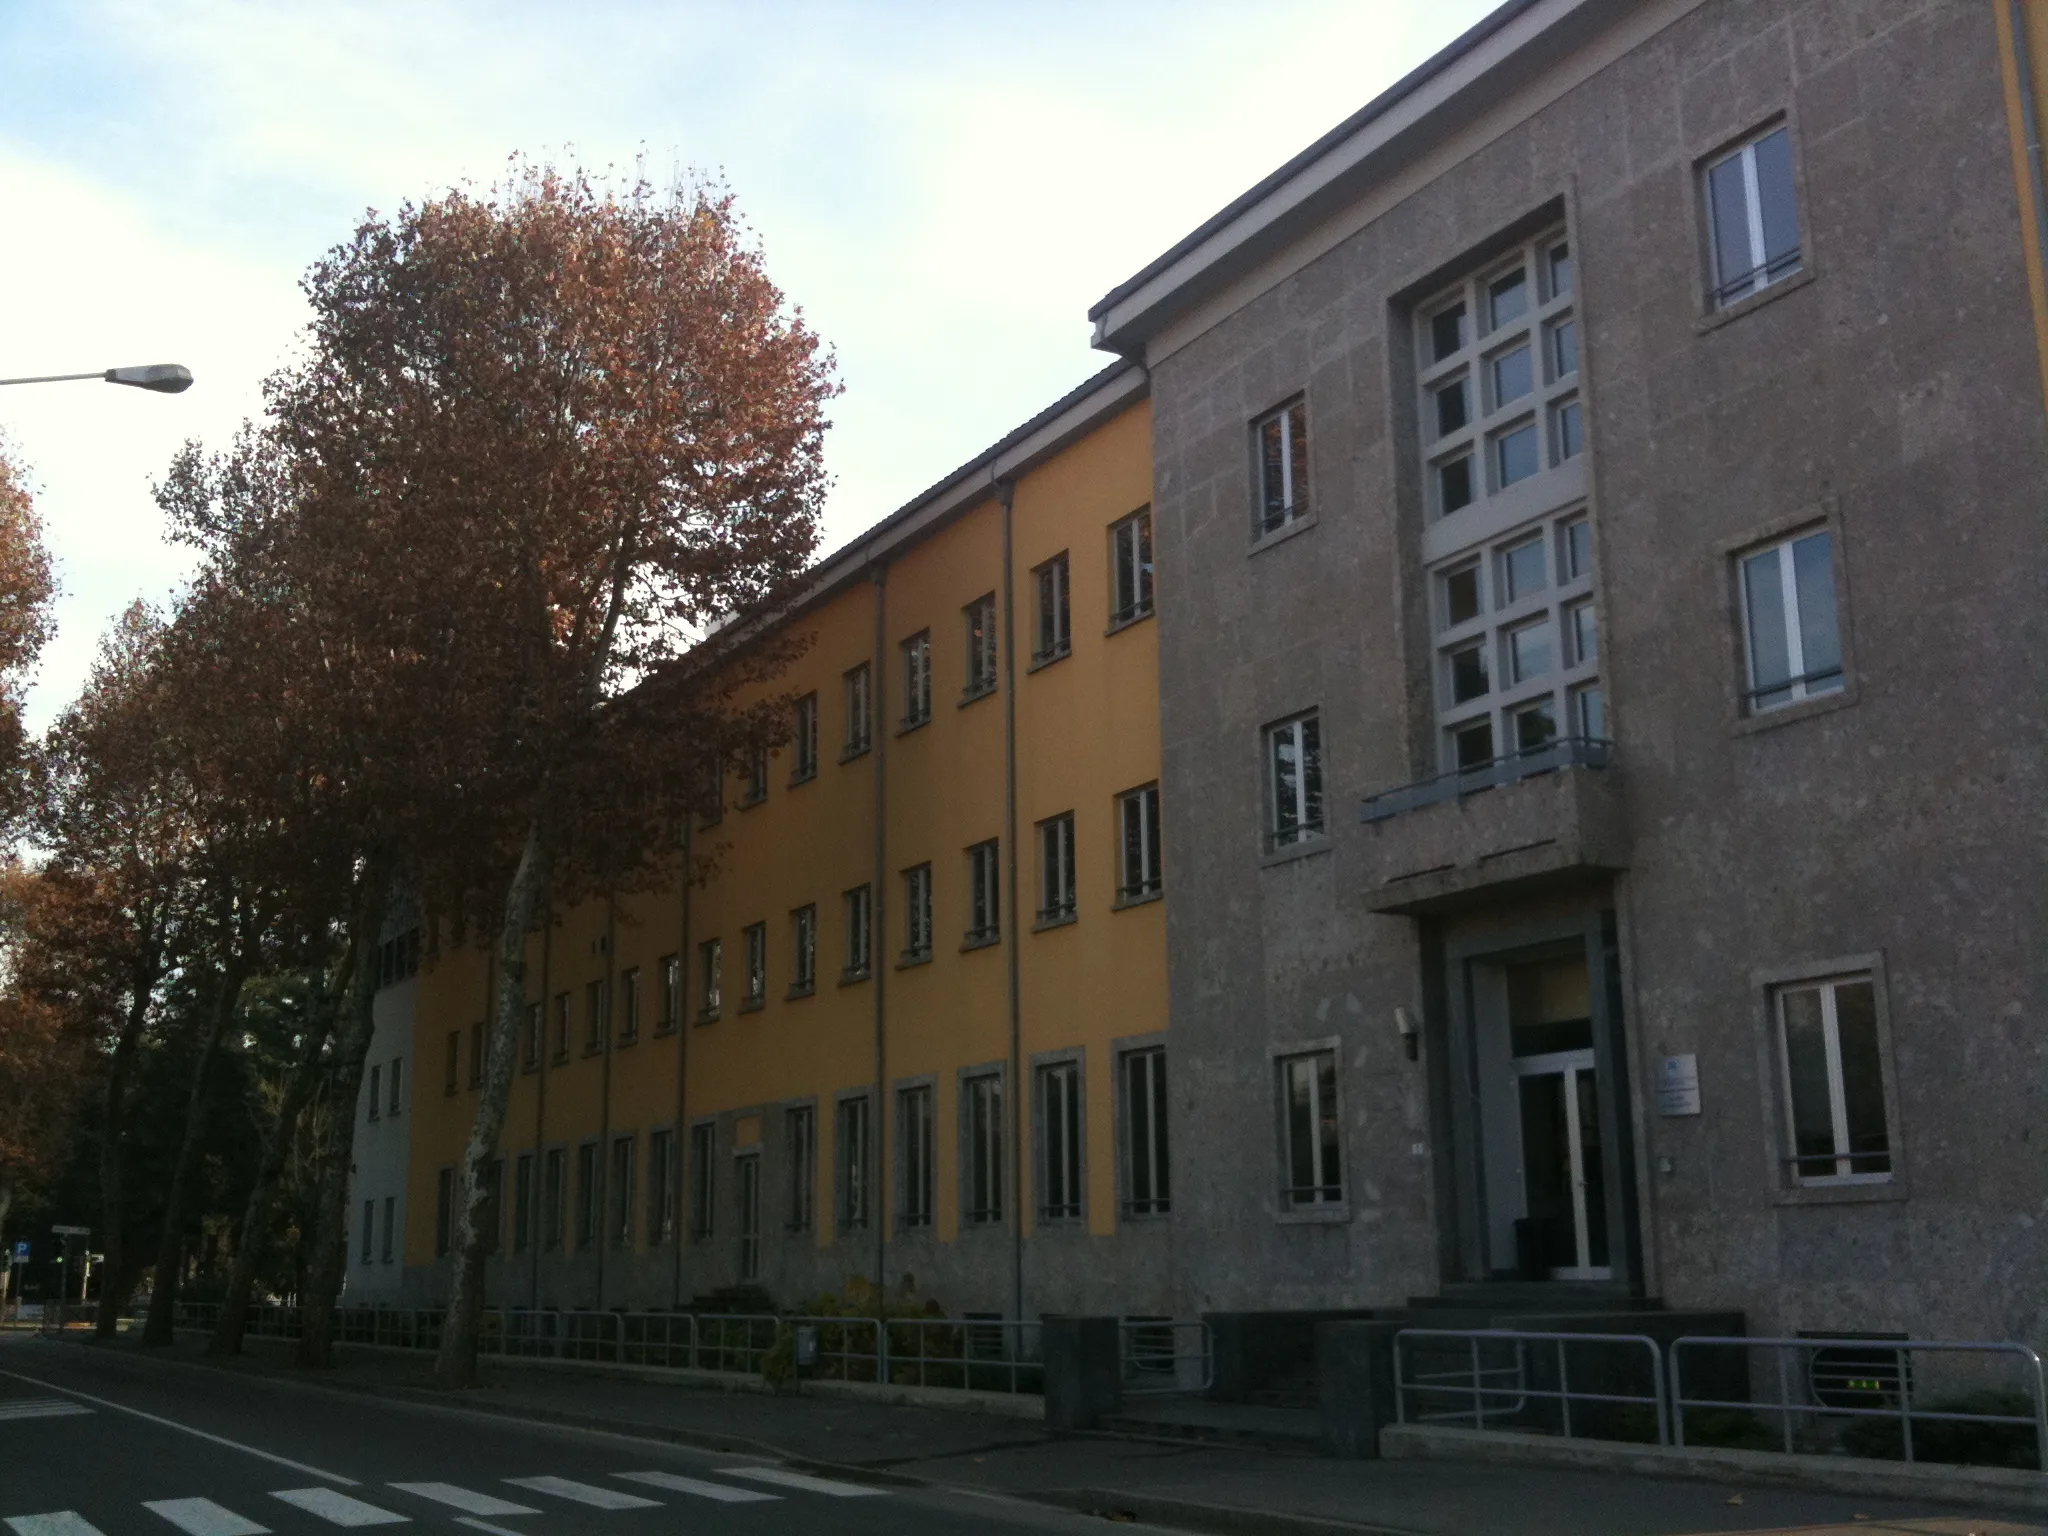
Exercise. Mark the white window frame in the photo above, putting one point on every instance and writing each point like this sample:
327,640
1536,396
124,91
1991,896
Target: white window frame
710,985
859,906
1056,887
805,739
917,1138
853,1153
984,893
1843,1172
1052,619
1291,422
757,774
661,1186
1062,1138
620,1177
917,679
800,1138
1147,1146
803,940
860,722
1763,272
746,1199
629,1005
917,913
978,619
982,1170
756,935
1325,1188
376,1095
1295,817
1130,568
1141,873
1799,685
671,993
390,1239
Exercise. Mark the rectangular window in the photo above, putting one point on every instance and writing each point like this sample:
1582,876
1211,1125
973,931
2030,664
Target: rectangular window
804,739
917,913
629,1005
981,1130
489,1217
554,1198
803,950
713,811
1056,869
671,993
452,1076
561,1051
596,1016
444,1210
1313,1134
710,964
984,907
661,1186
915,1131
369,1228
1130,559
1147,1188
917,679
860,909
1059,1142
1294,769
1753,217
757,964
1794,647
376,1094
859,711
1281,442
529,1043
1834,1081
757,775
747,1175
1051,637
477,1040
853,1154
1139,872
981,646
396,1098
586,1195
390,1247
800,1135
703,1173
522,1203
620,1193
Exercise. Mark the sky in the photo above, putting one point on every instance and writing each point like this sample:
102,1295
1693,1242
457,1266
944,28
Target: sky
943,188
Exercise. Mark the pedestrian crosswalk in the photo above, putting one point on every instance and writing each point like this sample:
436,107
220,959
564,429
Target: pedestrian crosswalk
194,1516
41,1408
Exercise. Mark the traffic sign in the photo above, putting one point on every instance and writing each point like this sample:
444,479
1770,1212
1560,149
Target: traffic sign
72,1231
21,1251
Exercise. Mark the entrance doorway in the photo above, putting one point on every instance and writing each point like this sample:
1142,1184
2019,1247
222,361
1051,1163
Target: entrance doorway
1564,1234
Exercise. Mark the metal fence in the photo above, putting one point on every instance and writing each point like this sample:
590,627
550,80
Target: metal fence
1158,1355
979,1354
1524,1381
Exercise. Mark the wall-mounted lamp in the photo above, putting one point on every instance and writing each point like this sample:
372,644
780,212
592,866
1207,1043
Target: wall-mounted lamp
1411,1033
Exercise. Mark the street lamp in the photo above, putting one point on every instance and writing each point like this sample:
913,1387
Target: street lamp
158,378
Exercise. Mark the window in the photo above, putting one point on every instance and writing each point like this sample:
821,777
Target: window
1281,443
561,1051
805,739
853,1163
397,1100
981,647
1059,1142
522,1203
1793,646
671,993
529,1045
369,1228
620,1194
1051,638
629,1005
1138,868
488,1222
1130,562
661,1186
1147,1190
596,1016
714,796
1294,770
984,907
710,962
800,1135
917,913
917,679
1312,1131
703,1141
915,1136
586,1195
1834,1081
803,951
982,1156
757,965
398,958
376,1094
747,1174
444,1210
757,775
554,1196
859,712
390,1244
477,1042
1752,217
452,1077
859,931
1056,869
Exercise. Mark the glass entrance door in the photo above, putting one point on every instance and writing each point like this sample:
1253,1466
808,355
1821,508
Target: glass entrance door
1564,1232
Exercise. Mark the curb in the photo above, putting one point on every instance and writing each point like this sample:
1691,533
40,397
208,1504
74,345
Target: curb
1210,1519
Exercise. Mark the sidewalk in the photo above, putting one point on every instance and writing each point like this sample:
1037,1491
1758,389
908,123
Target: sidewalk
1186,1486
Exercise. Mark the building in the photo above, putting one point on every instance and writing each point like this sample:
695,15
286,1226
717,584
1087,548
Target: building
1594,707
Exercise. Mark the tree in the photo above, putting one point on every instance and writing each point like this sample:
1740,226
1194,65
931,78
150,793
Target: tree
26,589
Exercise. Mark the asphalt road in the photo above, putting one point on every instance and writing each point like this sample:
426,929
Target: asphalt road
107,1443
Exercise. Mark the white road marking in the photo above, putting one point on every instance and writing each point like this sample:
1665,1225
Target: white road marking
465,1500
337,1508
41,1408
584,1493
62,1522
203,1517
236,1445
703,1490
484,1525
803,1480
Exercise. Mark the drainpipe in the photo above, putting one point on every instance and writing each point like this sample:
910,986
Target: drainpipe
1007,491
877,929
2023,67
537,1237
604,1090
681,1022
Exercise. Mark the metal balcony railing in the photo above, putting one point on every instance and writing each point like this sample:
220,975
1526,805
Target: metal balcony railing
1564,752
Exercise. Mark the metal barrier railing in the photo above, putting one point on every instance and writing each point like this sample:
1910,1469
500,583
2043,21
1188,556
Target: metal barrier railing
1866,1384
1483,1362
977,1354
1159,1355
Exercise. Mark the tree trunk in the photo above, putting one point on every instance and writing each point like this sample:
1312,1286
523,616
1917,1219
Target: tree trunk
250,1244
113,1223
456,1366
329,1262
6,1253
163,1290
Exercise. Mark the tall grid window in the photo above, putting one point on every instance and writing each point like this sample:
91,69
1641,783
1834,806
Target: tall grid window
478,1038
757,964
984,906
586,1195
397,1071
803,950
713,796
561,1048
1056,869
375,1097
1792,641
1834,1081
982,1153
1139,872
554,1199
629,1005
859,688
490,1220
1311,1132
1130,568
854,1153
1753,217
757,774
390,1248
1051,634
746,1170
800,1136
1294,781
917,913
860,913
369,1228
619,1196
1280,444
703,1179
710,965
451,1080
522,1203
1148,1190
980,616
596,1015
529,1049
1059,1141
671,994
661,1186
804,739
917,679
916,1146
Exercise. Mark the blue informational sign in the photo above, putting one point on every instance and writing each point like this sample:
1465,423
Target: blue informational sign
21,1250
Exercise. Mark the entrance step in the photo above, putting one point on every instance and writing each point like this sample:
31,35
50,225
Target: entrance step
1197,1419
1503,1298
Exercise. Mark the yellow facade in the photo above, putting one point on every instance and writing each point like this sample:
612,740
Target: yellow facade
2023,48
1081,730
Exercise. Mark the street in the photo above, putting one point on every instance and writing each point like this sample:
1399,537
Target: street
95,1441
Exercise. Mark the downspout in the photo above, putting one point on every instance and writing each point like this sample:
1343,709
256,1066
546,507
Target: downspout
604,1093
679,1020
877,930
1006,490
537,1233
2023,67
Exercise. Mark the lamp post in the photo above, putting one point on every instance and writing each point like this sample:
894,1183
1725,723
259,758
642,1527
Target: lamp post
158,378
